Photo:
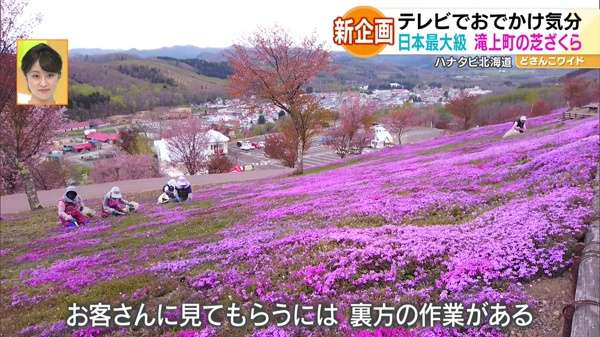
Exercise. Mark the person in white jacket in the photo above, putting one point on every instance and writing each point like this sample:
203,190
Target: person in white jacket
518,127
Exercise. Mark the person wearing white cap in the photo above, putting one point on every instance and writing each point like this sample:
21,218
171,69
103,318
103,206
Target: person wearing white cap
517,128
115,204
184,189
169,192
72,212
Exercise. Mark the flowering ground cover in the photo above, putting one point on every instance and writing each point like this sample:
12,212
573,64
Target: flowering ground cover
470,218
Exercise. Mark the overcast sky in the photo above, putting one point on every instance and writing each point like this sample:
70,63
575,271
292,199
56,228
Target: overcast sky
124,24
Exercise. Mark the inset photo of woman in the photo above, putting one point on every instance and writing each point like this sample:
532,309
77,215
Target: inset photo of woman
42,72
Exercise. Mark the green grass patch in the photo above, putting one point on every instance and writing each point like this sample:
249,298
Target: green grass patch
32,224
454,215
479,162
201,227
122,223
190,205
442,149
363,222
523,160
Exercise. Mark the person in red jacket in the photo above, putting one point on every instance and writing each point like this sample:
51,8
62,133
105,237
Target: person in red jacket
71,208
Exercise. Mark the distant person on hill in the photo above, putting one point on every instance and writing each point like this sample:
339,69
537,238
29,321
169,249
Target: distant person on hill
71,209
114,204
184,189
169,193
517,128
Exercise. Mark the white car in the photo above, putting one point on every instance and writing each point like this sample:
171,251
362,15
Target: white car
246,146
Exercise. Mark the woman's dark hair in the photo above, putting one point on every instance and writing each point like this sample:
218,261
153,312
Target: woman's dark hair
49,59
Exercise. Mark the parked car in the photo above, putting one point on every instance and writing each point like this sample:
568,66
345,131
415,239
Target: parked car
246,146
91,156
258,145
67,148
239,143
56,155
105,155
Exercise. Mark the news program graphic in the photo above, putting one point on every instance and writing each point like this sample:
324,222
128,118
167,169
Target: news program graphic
363,31
42,72
544,38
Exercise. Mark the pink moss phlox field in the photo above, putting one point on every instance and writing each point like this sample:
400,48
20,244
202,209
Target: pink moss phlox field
468,217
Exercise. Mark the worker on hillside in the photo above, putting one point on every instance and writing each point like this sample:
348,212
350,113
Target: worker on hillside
115,204
169,193
517,128
184,189
72,212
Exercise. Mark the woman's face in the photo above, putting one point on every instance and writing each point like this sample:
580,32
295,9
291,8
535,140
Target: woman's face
42,84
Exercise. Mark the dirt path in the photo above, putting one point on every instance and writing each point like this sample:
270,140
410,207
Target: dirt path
15,203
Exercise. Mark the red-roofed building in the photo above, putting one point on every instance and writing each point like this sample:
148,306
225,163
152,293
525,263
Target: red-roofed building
103,137
83,147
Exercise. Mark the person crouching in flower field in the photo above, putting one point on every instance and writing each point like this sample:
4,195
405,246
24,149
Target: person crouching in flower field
169,193
183,189
71,210
517,128
114,204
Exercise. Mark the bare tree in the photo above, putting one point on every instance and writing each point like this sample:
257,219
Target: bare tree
400,119
353,125
282,145
15,24
338,141
188,144
576,91
275,67
464,107
24,130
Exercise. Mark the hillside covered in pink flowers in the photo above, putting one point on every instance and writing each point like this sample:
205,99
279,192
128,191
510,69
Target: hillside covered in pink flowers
469,218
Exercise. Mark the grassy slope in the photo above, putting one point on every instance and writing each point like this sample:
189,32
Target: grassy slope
182,73
104,74
33,240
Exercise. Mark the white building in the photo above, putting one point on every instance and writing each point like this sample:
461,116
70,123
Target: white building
381,137
476,91
216,142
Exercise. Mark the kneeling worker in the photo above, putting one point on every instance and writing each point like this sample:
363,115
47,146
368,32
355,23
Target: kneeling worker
184,189
169,193
71,209
114,204
517,128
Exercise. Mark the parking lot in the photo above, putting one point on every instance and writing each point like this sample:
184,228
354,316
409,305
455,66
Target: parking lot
88,158
316,155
